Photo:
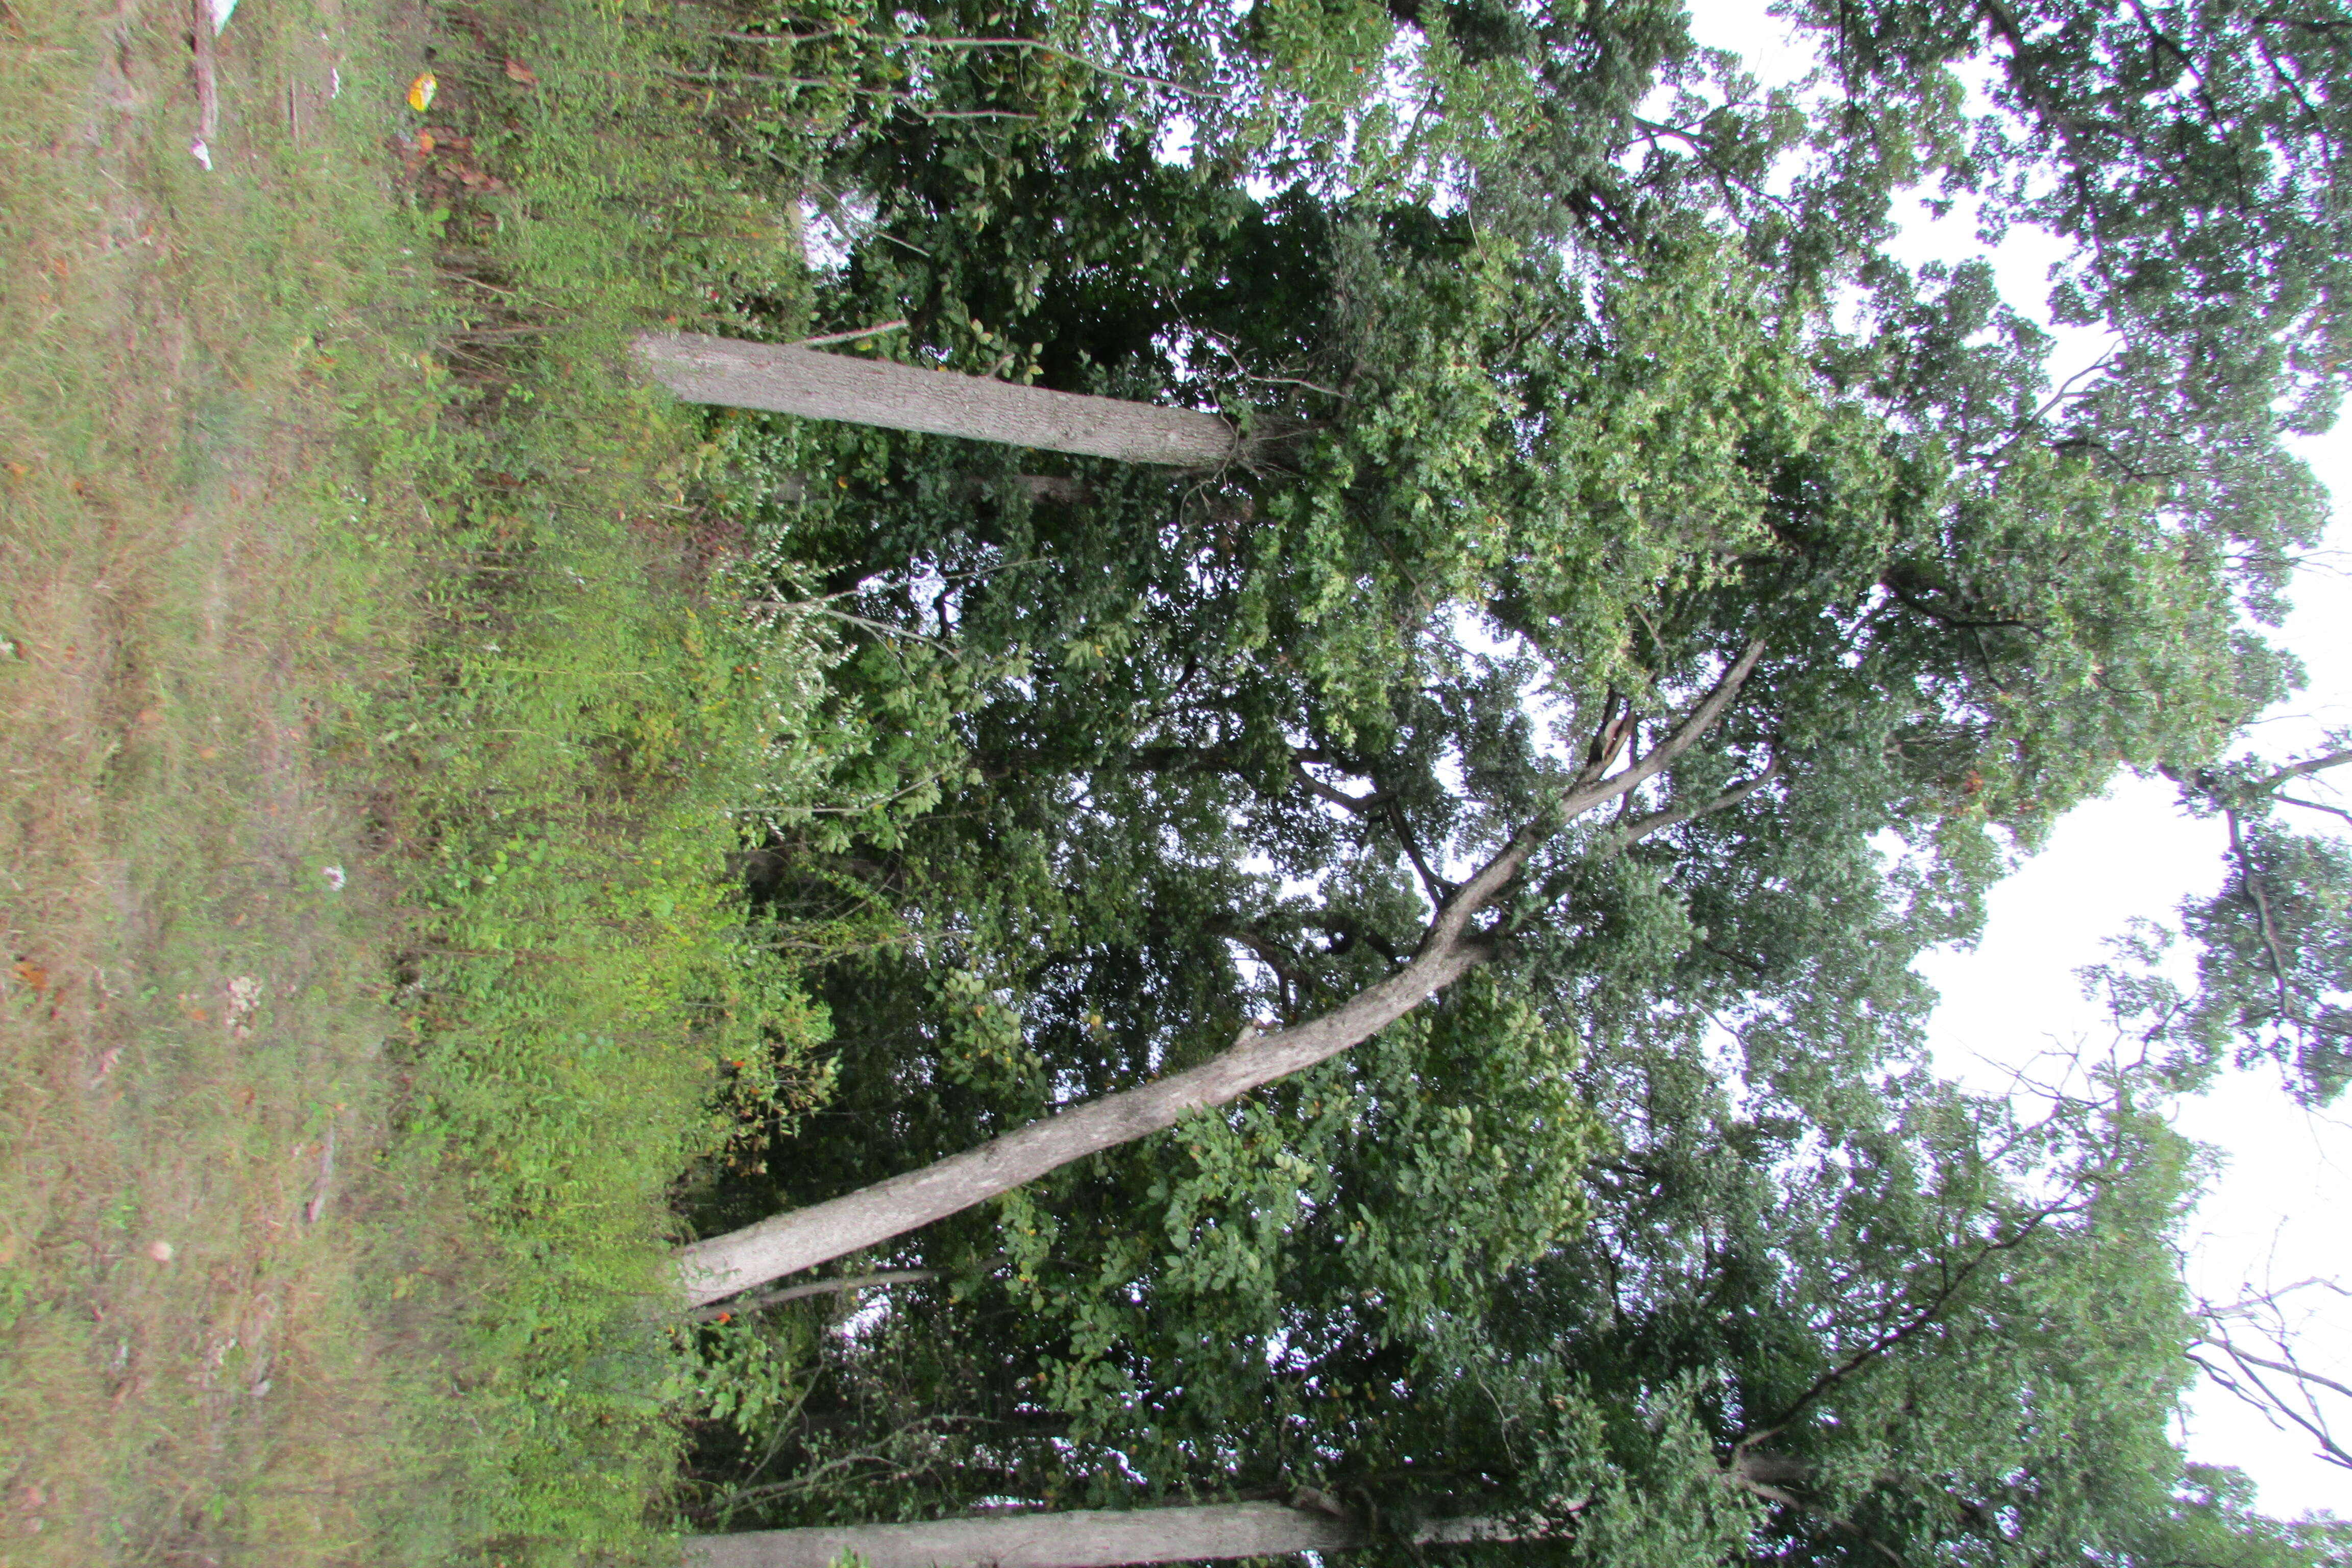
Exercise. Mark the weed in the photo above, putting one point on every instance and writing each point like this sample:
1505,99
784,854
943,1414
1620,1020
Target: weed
570,760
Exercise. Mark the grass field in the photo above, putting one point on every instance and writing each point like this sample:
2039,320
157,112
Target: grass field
195,1060
371,744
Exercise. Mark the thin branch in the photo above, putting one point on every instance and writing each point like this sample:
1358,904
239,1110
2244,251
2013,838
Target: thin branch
1911,599
718,1310
2306,768
845,337
1920,1320
1361,804
1350,931
1640,827
783,38
2315,806
1273,954
1438,888
1771,1493
2262,903
2271,1404
1042,48
2300,1373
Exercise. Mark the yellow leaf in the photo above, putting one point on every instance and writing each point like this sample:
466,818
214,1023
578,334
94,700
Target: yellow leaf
421,91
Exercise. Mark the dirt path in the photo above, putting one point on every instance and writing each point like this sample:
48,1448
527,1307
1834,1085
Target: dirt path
191,938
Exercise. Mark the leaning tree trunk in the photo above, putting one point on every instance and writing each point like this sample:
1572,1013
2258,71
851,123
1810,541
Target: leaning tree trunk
1078,1539
787,380
801,1238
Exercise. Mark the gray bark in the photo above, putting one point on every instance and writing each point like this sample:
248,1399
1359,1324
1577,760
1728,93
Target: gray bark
788,380
1077,1539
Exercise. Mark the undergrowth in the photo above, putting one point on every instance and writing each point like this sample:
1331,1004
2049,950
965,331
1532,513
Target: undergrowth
336,476
597,710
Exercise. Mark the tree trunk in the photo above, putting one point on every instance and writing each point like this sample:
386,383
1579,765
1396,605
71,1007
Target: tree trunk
1078,1539
722,1265
803,1238
786,380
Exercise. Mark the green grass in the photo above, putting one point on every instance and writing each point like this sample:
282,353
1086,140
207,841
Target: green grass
336,538
587,721
194,594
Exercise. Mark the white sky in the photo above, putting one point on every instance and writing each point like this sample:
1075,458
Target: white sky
2267,1219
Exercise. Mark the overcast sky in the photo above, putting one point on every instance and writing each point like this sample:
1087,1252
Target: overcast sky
2276,1213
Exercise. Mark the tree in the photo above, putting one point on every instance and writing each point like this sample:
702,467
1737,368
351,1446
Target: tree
801,1238
1742,546
2274,945
2249,1348
1890,1347
1229,747
1073,1538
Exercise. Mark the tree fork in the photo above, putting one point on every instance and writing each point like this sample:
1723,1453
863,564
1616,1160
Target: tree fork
785,379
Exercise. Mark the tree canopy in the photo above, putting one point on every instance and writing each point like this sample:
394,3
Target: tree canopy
1571,373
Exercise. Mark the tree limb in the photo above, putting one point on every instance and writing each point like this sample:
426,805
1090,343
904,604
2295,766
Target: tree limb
2254,895
1361,804
1640,827
1450,948
1590,789
719,1310
2305,769
2302,1374
2315,806
1922,1318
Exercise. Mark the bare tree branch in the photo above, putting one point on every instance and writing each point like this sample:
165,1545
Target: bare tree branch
2298,1403
2306,768
2314,805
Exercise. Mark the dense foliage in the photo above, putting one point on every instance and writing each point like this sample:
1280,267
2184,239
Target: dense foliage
1568,366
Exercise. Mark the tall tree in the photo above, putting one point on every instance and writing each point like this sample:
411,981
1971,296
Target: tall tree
1454,943
1559,442
788,379
1073,1538
1624,496
1943,1333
